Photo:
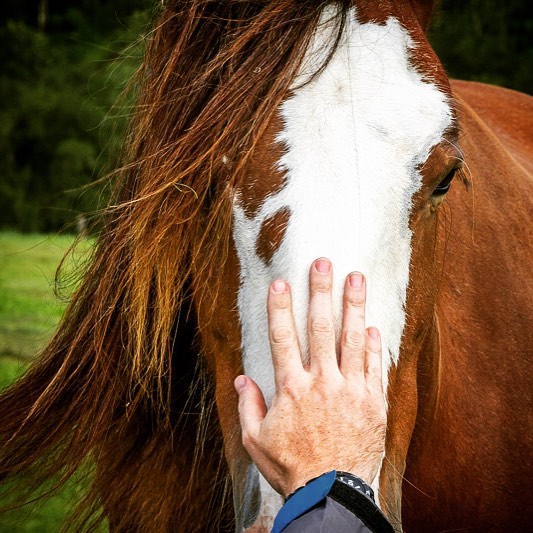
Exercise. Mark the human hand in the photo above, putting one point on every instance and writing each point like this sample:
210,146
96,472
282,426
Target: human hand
330,414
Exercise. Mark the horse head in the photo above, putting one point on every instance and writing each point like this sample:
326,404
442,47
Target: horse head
353,166
267,134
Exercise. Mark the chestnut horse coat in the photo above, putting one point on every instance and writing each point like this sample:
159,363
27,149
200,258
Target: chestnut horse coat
469,462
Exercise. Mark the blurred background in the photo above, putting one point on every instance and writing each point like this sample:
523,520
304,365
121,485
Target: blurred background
63,66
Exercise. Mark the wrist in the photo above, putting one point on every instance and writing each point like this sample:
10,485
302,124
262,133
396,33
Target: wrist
301,479
348,479
346,489
301,486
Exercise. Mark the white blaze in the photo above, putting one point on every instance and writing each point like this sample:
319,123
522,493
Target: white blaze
353,139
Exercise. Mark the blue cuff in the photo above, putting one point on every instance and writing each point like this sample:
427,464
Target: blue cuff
302,500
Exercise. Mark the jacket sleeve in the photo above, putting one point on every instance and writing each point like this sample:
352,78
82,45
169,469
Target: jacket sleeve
326,504
328,515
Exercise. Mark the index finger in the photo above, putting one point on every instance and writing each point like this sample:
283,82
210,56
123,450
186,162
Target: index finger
282,332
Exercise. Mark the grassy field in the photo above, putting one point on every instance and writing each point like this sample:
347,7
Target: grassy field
29,313
29,310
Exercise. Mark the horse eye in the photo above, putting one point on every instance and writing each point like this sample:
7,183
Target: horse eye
444,185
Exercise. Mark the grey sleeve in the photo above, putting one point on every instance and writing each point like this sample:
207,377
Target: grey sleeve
325,517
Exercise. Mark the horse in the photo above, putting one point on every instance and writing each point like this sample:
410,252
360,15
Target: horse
267,134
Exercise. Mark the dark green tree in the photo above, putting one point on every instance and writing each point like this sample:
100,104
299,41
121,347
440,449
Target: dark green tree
63,66
486,40
57,91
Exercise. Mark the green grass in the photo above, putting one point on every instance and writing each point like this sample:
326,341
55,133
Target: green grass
29,313
46,515
29,310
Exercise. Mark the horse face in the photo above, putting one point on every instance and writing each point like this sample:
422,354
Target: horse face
347,171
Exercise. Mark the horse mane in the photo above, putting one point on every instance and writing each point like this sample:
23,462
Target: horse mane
120,385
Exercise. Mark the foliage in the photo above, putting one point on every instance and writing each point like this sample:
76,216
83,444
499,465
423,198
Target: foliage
57,91
486,40
62,74
48,514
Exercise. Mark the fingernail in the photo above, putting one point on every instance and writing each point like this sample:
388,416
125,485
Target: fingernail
323,266
279,286
356,280
240,383
374,333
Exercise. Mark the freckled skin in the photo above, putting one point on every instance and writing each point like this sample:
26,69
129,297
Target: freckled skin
328,414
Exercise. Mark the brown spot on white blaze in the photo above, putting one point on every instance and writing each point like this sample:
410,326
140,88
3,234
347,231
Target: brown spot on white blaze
374,12
379,12
271,234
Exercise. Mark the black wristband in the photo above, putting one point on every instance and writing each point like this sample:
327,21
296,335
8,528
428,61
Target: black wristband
361,505
356,483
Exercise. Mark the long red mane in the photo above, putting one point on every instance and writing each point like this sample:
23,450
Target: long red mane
121,386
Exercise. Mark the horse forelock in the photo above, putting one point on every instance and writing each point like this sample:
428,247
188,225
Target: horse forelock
351,144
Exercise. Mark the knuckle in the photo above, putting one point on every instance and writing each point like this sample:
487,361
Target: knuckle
373,376
281,301
354,340
282,336
375,359
351,300
322,285
321,326
379,414
290,386
247,440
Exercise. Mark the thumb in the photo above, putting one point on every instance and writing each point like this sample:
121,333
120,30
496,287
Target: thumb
252,407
